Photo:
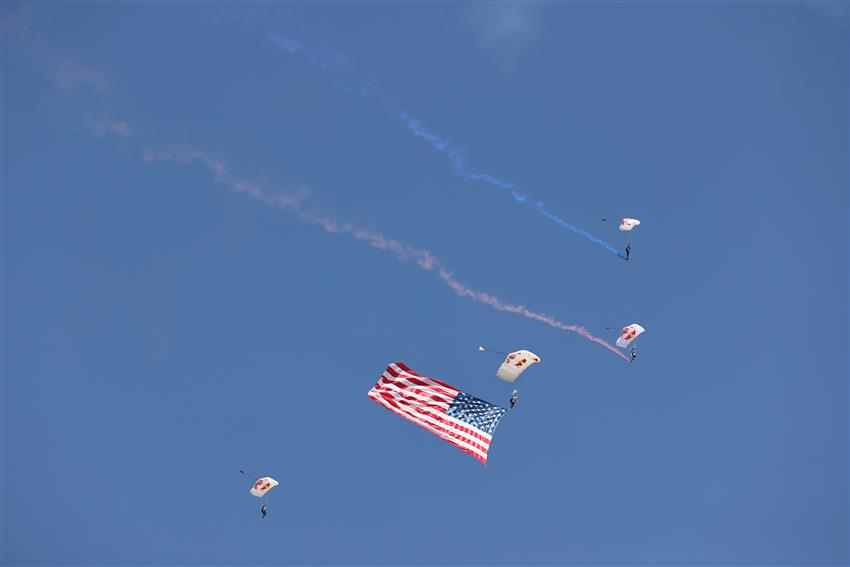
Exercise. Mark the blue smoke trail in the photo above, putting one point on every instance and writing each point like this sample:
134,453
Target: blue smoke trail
455,157
417,129
543,211
326,58
291,46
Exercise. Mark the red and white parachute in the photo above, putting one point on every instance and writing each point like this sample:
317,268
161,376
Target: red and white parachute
515,364
628,224
263,485
628,334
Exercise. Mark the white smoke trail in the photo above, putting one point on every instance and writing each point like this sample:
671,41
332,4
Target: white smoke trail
423,258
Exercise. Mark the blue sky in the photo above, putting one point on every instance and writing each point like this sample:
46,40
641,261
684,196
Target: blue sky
220,223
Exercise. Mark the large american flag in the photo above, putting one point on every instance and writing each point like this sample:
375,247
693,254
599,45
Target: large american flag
463,420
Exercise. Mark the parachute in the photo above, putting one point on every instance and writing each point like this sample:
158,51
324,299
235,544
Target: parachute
628,334
515,364
263,485
628,224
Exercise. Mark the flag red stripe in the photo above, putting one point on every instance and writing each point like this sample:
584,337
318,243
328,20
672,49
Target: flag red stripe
407,369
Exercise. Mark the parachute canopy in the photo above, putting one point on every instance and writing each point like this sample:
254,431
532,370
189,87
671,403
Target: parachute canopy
628,224
263,485
628,334
515,364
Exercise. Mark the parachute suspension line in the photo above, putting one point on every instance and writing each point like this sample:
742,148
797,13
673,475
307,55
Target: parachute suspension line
482,349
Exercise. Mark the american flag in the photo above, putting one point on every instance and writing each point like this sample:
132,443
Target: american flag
463,420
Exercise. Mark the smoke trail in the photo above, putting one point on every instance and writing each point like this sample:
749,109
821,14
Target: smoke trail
288,45
542,210
423,258
456,157
293,202
343,65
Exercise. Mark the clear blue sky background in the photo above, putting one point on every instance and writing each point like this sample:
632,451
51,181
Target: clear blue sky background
160,331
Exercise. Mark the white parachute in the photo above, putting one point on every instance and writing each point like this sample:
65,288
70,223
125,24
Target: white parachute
628,224
515,364
628,334
263,485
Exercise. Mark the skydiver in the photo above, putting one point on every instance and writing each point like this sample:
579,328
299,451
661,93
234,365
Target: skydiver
514,397
263,510
634,354
628,251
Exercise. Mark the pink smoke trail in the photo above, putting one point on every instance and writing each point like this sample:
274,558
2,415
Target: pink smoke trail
423,258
